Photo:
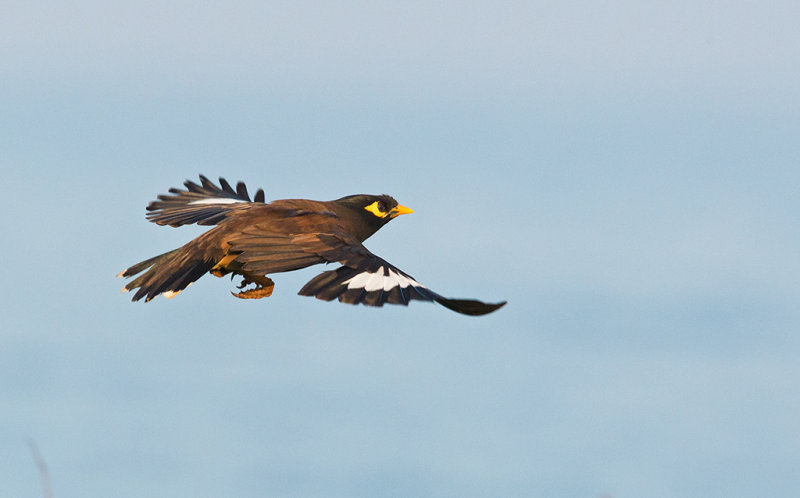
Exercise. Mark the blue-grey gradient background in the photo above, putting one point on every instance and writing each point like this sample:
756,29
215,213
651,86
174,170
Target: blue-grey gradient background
625,173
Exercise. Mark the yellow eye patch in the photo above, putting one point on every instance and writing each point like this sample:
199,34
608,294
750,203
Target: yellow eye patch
374,209
396,211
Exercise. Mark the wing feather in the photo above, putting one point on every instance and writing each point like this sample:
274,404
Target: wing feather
374,282
204,204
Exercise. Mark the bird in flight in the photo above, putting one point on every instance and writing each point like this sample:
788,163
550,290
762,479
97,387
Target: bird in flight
253,239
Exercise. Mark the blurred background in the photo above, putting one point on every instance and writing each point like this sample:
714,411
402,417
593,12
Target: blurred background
624,173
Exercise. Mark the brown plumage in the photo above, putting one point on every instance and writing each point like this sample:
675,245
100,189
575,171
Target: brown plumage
255,239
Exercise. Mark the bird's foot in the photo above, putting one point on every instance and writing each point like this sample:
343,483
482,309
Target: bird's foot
256,293
264,287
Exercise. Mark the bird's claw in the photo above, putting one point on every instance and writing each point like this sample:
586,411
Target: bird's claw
256,293
264,288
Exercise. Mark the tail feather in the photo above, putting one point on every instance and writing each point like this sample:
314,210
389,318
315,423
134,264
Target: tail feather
167,274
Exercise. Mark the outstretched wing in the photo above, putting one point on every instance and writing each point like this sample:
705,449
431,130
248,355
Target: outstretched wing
204,204
363,277
370,280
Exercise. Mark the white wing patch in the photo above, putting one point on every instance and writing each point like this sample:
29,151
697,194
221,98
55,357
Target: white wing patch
373,281
218,200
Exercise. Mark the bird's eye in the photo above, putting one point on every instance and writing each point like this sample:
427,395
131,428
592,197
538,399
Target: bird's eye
382,207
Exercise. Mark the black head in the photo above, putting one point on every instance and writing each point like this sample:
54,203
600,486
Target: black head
368,213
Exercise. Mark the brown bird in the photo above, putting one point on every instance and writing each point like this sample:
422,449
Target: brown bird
253,239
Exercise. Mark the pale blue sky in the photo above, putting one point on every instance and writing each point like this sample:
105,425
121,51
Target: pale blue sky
625,174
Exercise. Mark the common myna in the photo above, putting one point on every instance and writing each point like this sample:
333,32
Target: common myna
254,239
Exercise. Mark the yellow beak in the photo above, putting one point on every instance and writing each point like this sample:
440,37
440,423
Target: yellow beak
398,210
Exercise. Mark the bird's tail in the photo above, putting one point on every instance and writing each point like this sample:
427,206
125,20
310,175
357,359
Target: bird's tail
166,274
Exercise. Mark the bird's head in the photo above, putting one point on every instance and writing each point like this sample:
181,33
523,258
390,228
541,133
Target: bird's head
370,212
